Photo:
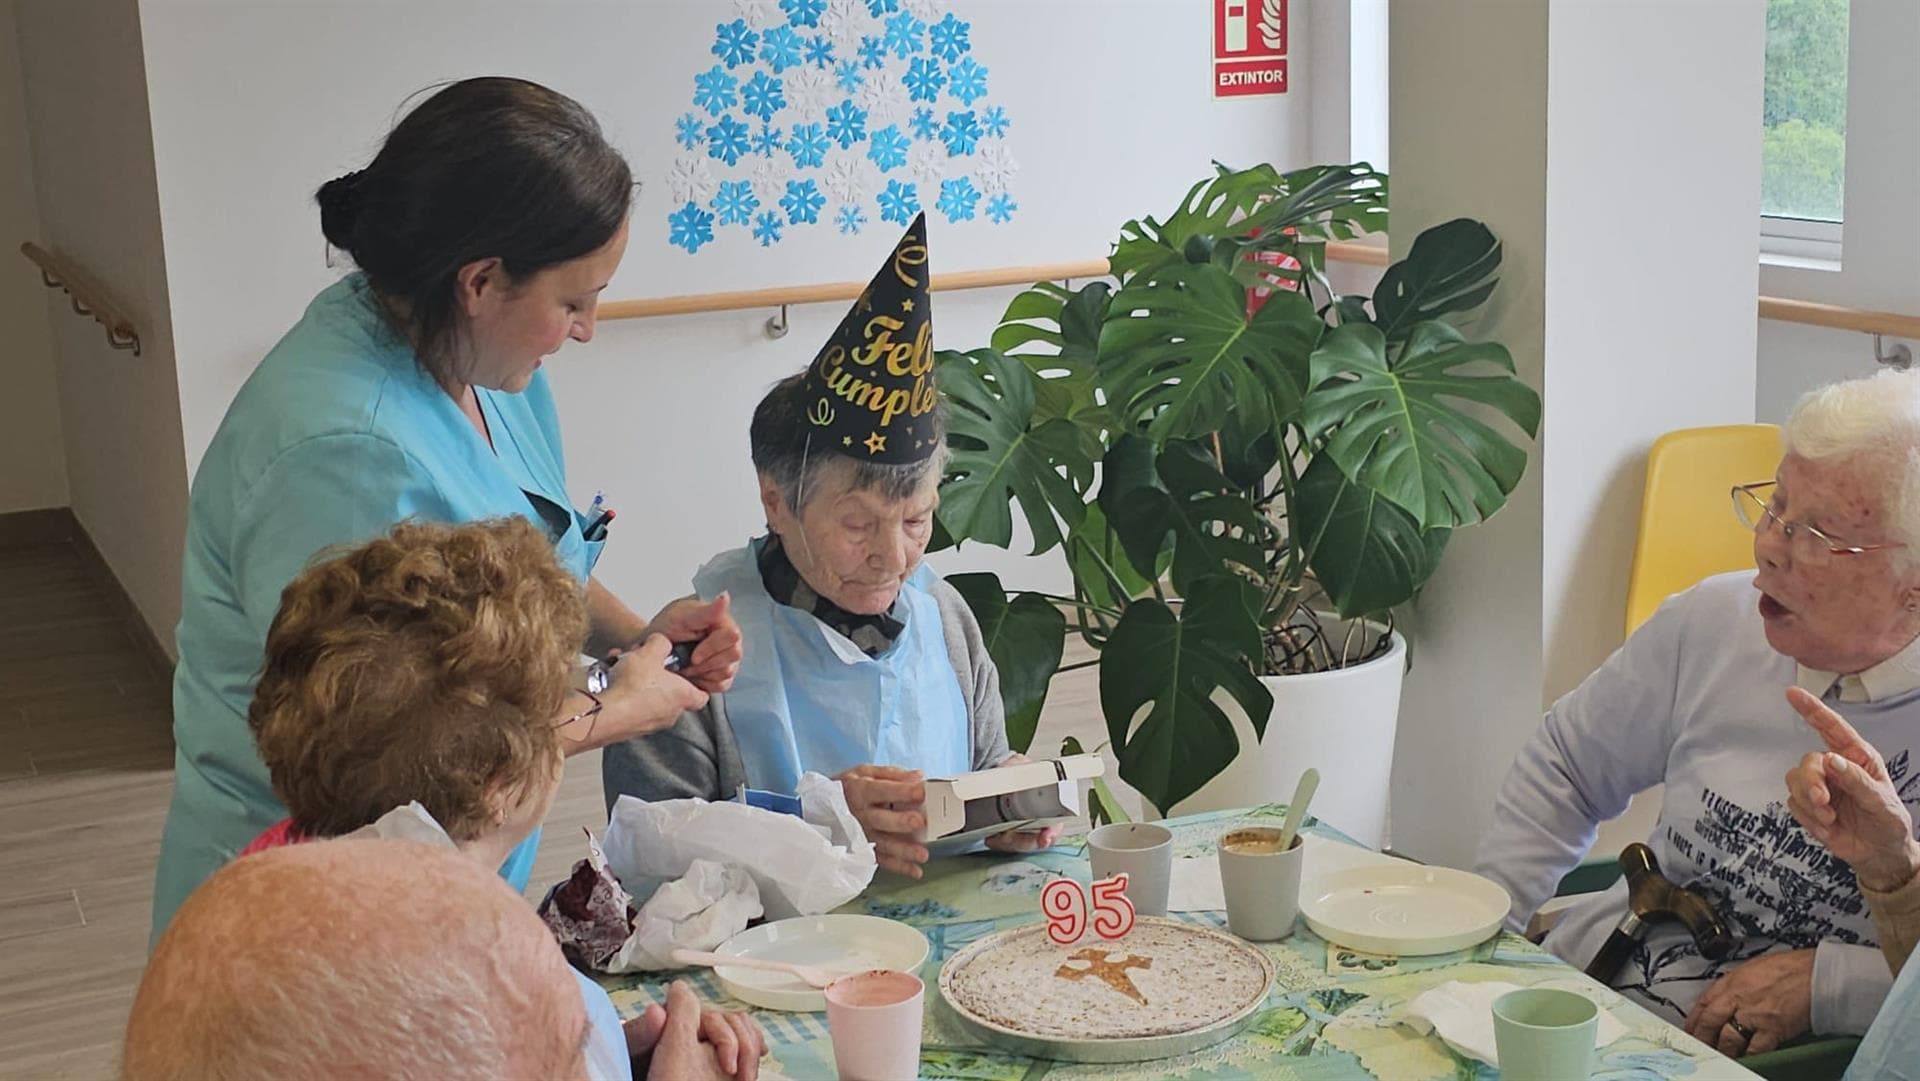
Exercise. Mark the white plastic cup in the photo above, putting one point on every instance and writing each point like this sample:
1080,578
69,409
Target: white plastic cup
1262,883
874,1018
1143,851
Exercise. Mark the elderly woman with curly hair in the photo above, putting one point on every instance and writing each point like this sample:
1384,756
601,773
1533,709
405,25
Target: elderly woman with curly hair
427,666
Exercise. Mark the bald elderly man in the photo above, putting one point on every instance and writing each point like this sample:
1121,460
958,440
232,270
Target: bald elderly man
372,958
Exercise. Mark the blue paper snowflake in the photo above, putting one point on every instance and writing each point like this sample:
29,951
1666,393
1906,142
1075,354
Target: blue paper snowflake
802,202
766,228
847,124
727,140
950,38
924,80
962,133
847,74
689,132
819,51
850,219
877,8
689,227
768,141
995,121
900,202
924,124
888,148
803,12
1000,208
713,90
958,197
905,34
764,95
808,144
968,81
873,53
735,202
780,48
733,43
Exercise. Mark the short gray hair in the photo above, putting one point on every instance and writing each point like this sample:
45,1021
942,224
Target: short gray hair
1876,418
783,452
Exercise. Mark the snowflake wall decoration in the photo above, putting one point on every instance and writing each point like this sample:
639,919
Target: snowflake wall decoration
834,114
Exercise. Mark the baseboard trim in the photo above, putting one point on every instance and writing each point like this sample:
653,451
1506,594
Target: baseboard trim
57,525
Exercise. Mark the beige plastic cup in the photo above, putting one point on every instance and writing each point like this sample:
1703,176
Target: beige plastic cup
1545,1034
874,1018
1143,851
1262,883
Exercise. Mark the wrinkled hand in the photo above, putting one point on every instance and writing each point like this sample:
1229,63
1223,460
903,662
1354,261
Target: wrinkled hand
1025,840
643,698
1771,994
890,804
687,1041
716,660
1846,801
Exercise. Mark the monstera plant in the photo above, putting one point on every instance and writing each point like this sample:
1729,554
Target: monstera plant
1244,470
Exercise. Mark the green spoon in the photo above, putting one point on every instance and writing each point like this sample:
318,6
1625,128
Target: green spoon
1297,810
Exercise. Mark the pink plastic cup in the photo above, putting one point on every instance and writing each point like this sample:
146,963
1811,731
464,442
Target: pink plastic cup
875,1021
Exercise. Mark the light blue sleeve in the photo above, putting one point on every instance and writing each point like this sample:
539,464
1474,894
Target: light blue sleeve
327,491
607,1058
1891,1051
1600,744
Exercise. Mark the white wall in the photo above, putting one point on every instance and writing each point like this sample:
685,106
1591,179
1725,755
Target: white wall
33,461
255,104
1518,114
92,155
1880,259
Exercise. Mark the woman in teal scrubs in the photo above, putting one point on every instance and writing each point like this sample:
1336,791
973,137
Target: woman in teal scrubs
484,231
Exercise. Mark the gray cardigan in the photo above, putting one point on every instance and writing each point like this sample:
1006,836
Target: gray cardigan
698,756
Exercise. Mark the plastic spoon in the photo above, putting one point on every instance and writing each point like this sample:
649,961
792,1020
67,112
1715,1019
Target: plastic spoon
807,974
1297,810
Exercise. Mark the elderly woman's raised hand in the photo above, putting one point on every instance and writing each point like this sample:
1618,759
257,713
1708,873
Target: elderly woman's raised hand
716,659
1845,799
890,804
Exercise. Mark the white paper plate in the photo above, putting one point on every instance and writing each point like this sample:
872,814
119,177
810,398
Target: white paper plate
845,943
1404,910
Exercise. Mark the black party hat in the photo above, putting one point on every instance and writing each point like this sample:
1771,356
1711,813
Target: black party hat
871,389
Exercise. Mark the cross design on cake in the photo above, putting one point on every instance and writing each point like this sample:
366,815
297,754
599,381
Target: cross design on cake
1101,966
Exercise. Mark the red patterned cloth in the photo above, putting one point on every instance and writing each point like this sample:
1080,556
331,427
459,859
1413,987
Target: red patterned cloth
279,834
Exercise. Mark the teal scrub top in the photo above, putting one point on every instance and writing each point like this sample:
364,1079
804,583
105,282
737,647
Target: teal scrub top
338,435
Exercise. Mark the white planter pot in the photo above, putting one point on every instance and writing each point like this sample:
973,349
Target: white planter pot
1341,723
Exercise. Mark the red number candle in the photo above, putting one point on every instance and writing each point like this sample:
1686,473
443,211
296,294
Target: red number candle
1065,907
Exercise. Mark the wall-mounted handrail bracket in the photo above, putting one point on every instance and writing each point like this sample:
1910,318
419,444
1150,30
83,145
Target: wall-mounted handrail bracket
1899,357
84,296
777,325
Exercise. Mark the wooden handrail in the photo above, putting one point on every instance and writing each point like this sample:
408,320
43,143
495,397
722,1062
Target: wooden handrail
1889,324
87,296
696,303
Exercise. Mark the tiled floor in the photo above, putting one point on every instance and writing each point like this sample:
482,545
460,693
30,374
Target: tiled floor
86,758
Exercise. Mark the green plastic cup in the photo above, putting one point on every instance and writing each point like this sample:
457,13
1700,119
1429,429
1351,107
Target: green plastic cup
1545,1034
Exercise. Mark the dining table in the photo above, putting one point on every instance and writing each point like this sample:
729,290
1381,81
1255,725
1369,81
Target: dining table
1331,1014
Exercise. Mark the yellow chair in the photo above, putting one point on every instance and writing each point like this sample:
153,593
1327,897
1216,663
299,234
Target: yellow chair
1687,528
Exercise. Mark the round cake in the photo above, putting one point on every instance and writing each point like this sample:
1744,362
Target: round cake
1164,978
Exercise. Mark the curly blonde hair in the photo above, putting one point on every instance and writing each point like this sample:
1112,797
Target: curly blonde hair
429,665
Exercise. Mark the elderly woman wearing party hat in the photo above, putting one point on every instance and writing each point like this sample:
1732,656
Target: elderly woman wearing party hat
860,662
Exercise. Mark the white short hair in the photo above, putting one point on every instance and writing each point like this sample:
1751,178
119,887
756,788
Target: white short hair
1876,419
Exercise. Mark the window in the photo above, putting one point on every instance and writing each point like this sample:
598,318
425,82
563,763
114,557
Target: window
1803,150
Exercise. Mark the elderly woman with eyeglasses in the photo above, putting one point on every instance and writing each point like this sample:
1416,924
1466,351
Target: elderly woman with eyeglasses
1694,701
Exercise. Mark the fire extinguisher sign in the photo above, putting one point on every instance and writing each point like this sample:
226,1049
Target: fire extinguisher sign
1249,47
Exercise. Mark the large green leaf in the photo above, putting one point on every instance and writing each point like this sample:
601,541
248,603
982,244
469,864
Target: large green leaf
1368,554
1055,332
1178,353
1322,201
1099,562
1406,431
1450,268
1171,666
1024,637
1211,526
1003,454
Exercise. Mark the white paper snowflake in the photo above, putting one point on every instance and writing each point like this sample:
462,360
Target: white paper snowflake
846,22
690,180
771,175
995,167
924,10
927,162
883,97
849,178
760,14
810,91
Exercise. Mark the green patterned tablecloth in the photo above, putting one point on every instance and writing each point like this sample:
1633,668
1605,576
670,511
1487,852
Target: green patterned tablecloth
1317,1024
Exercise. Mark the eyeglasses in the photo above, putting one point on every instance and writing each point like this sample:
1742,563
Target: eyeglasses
1755,511
590,713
